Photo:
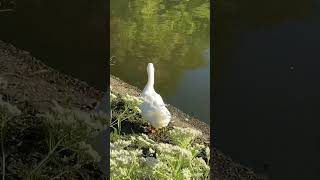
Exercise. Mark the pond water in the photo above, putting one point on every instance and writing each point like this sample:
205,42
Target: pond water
174,35
70,36
67,35
266,82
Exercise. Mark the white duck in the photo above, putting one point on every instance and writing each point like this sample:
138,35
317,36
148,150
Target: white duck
153,108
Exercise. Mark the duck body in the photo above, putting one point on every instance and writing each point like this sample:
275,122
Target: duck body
153,108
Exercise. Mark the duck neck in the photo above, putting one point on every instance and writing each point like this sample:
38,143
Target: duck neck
150,82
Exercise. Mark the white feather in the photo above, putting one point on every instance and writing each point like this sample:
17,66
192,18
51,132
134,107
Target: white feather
153,108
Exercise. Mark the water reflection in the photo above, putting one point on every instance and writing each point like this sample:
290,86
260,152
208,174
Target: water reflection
171,34
264,109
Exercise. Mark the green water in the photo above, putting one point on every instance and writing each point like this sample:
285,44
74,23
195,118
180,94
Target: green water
266,103
174,35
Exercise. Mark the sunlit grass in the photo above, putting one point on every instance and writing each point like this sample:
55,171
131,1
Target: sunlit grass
136,156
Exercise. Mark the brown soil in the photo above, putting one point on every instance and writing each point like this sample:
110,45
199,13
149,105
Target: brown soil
30,80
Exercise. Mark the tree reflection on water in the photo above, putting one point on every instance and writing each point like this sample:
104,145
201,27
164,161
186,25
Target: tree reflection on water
171,34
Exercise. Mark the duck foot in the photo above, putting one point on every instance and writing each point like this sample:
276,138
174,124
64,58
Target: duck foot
153,130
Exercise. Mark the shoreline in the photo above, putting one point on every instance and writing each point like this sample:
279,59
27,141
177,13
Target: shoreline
180,118
30,80
223,166
32,86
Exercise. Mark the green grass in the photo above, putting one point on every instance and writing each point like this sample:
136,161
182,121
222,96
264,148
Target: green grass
137,156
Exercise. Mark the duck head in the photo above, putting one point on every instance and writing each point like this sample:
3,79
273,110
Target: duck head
150,68
150,83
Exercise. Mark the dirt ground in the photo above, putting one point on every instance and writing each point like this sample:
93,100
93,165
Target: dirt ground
29,80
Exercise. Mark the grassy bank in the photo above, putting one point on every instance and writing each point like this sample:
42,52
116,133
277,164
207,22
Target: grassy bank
173,153
37,92
222,166
46,119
